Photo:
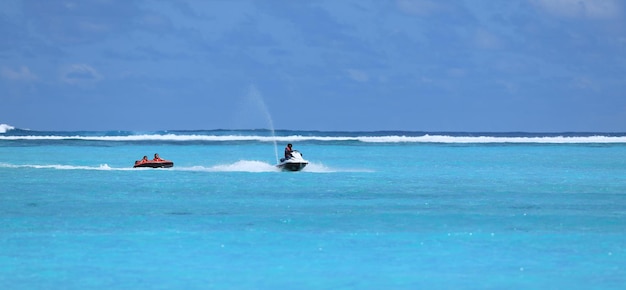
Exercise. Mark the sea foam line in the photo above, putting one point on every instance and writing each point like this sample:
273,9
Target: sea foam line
260,166
239,166
366,139
61,166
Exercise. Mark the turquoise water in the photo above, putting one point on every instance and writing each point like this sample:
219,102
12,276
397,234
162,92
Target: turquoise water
371,211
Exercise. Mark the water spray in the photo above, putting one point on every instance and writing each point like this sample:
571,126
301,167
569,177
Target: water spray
254,94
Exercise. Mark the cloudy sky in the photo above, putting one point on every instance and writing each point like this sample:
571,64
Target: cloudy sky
359,65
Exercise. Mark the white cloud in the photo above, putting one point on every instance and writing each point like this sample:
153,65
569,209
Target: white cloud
156,22
582,82
21,74
419,7
591,9
80,74
486,39
457,72
358,75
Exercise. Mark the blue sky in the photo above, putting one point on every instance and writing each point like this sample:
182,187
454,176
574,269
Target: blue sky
421,65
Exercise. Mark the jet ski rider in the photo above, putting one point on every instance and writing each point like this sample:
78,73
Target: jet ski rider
288,151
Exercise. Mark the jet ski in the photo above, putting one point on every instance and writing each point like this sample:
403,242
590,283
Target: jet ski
293,163
154,164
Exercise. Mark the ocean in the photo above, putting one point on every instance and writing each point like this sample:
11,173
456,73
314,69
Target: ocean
372,210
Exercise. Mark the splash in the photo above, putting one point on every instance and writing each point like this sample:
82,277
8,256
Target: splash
315,167
239,166
256,97
245,166
4,128
259,166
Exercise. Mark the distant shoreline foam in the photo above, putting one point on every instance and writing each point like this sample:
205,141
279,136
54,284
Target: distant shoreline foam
9,133
299,138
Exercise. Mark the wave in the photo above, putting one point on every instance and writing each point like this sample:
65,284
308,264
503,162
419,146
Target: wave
426,138
4,128
9,133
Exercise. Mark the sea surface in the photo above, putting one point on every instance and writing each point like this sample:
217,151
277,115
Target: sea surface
372,210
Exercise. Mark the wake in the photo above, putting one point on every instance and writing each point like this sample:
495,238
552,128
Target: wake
239,166
260,166
62,167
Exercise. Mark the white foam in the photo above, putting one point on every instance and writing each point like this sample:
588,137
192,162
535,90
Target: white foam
259,166
492,139
239,166
62,166
245,166
4,128
321,168
368,139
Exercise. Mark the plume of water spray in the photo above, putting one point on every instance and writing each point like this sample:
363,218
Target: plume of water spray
256,97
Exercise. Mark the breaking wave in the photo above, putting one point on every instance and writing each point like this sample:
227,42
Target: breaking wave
9,133
299,138
4,128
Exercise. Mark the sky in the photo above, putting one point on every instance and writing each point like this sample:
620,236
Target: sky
347,65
